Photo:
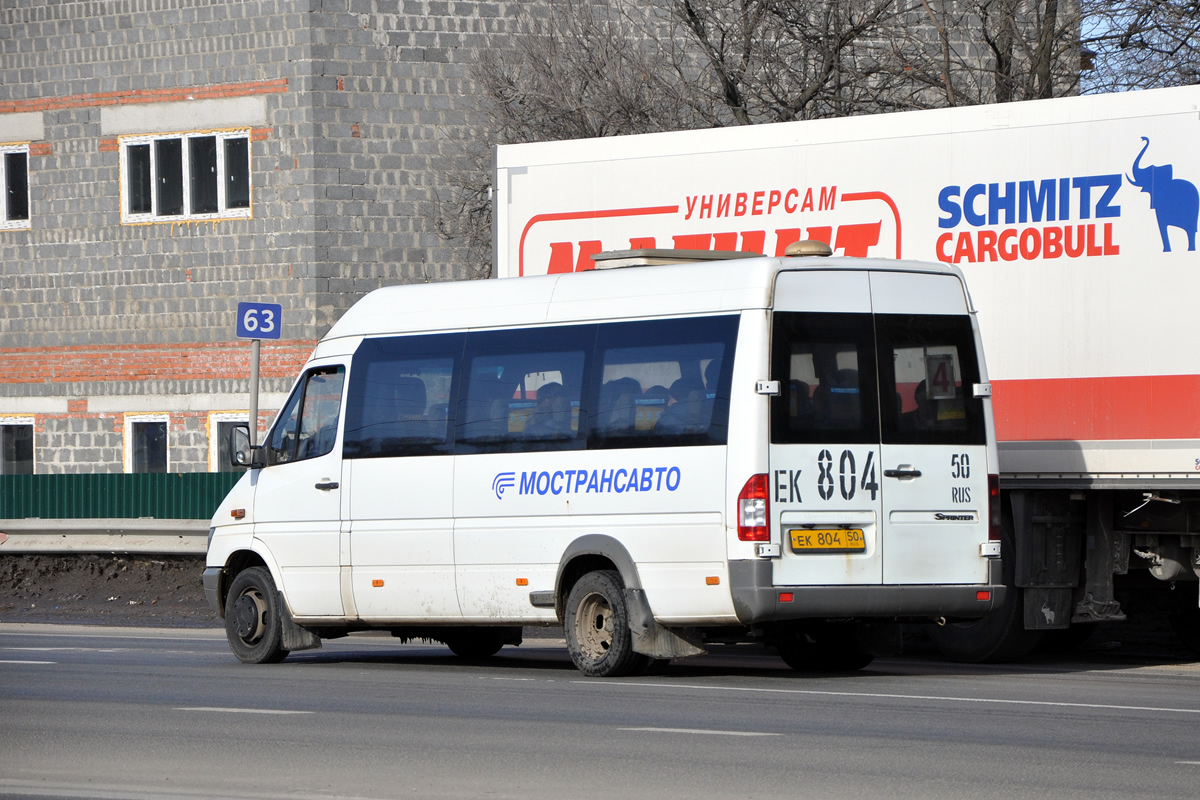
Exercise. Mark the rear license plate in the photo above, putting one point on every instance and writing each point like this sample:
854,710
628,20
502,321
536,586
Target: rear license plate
835,540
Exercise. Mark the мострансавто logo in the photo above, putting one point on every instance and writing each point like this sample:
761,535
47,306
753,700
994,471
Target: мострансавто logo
584,481
1008,221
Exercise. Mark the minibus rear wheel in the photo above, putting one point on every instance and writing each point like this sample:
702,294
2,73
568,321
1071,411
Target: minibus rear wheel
252,618
822,648
1000,636
596,625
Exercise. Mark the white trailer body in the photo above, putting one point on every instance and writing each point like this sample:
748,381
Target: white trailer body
1075,223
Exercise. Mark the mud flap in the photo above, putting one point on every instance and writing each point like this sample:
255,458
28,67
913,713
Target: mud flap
1047,609
650,638
292,636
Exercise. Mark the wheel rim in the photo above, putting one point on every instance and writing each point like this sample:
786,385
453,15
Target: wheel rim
250,615
594,626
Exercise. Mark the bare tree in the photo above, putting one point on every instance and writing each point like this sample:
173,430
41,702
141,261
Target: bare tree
1141,44
587,68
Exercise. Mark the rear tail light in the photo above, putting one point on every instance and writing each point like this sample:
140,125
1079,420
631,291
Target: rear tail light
754,511
994,508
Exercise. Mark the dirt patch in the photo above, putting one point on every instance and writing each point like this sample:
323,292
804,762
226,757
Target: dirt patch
151,590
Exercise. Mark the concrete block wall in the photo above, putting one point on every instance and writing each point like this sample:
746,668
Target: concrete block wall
357,109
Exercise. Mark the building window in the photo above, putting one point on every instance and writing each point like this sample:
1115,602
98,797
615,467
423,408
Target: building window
185,176
16,447
14,178
220,423
146,442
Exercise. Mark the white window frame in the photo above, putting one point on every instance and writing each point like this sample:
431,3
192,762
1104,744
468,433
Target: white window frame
215,418
6,223
127,436
222,211
13,419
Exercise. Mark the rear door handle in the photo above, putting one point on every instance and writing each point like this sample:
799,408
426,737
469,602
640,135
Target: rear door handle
903,471
327,484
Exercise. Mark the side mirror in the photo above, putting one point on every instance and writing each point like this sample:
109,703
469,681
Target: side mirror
241,454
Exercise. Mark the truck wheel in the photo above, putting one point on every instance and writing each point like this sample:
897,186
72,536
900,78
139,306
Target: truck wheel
1066,640
1000,636
596,625
997,638
252,618
1184,619
475,643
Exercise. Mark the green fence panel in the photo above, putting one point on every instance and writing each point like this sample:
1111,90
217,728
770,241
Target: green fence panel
171,495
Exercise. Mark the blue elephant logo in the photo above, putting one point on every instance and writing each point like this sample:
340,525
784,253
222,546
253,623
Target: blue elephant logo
1174,200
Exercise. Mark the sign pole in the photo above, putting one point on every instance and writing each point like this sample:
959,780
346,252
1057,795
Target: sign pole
255,344
257,321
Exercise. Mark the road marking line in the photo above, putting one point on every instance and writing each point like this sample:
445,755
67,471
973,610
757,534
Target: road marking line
1189,763
27,662
886,696
71,649
700,731
243,710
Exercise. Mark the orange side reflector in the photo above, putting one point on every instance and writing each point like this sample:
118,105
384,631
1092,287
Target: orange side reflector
238,513
377,582
713,580
786,597
983,595
522,581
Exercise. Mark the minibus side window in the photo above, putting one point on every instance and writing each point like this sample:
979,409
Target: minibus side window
524,390
307,426
663,383
825,364
929,369
401,395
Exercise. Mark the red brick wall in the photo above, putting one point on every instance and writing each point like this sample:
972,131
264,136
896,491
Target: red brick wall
141,362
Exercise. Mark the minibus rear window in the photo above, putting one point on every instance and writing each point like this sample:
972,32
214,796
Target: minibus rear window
928,367
825,364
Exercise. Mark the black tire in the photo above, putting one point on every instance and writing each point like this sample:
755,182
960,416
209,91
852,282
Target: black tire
252,618
475,643
1066,640
596,625
1000,636
822,649
1184,619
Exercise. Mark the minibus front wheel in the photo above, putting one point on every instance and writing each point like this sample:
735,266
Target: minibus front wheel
252,622
596,625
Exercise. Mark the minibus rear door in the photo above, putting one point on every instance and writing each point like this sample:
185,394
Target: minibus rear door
934,468
825,490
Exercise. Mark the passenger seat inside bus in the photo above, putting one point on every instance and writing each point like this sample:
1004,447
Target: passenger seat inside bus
839,402
685,414
399,418
618,407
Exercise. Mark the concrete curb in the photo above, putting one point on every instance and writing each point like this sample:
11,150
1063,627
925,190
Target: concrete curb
164,536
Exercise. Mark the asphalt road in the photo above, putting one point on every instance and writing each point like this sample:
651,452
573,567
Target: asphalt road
164,713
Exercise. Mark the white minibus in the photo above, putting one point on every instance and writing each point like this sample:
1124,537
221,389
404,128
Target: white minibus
791,451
